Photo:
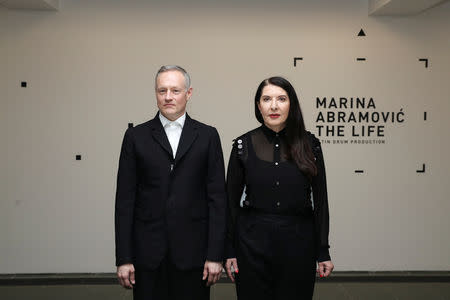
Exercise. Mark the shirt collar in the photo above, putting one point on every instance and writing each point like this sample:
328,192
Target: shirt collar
271,135
180,121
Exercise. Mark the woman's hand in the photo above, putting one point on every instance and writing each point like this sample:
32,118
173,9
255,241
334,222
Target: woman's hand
325,268
231,262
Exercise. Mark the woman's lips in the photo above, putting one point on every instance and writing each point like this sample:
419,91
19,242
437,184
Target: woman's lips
274,116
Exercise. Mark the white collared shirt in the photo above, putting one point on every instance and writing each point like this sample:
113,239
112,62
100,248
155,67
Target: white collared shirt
173,130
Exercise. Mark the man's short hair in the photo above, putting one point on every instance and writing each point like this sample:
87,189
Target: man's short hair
187,78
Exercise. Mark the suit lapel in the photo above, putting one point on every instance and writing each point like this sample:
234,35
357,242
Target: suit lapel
188,136
160,136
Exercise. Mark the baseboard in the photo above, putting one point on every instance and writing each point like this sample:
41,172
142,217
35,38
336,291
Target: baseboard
338,276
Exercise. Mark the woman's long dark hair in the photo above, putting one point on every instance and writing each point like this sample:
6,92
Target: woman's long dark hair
299,149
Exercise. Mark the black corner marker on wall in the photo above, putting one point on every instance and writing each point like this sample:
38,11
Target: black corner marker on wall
295,60
423,169
130,125
78,157
23,84
359,171
361,59
361,33
425,60
424,115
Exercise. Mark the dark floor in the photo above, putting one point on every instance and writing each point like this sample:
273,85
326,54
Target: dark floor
225,291
342,285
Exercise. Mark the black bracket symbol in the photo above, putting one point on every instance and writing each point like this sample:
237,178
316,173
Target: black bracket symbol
361,59
359,171
295,60
424,115
425,60
423,169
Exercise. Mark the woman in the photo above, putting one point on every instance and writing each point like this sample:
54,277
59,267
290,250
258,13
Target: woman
280,230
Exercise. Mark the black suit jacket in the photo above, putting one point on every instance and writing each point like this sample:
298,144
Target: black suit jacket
167,206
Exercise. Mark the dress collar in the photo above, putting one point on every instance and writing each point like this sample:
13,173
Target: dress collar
271,135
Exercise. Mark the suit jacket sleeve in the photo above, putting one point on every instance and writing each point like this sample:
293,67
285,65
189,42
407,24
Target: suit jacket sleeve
216,200
125,198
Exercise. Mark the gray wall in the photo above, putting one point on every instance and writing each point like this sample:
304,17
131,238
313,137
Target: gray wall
90,69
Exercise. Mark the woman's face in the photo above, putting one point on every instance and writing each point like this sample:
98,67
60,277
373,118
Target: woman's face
274,107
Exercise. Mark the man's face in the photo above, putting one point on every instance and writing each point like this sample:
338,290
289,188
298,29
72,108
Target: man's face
172,94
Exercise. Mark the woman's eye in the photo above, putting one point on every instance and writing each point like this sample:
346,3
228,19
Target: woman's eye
265,99
282,99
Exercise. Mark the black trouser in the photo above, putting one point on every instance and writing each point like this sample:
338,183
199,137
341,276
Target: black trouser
167,282
276,257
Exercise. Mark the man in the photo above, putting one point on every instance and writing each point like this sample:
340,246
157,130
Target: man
170,201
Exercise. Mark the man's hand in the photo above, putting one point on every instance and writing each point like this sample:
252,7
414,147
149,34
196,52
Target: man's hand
212,271
231,262
325,268
125,274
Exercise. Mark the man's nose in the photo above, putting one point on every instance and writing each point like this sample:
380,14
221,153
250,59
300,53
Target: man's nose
168,96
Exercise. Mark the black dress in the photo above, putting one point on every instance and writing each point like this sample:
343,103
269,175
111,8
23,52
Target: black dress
279,229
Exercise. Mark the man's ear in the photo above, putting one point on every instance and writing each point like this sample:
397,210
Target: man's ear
189,93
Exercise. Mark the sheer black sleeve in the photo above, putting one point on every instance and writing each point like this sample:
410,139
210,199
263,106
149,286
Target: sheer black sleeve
320,198
235,187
